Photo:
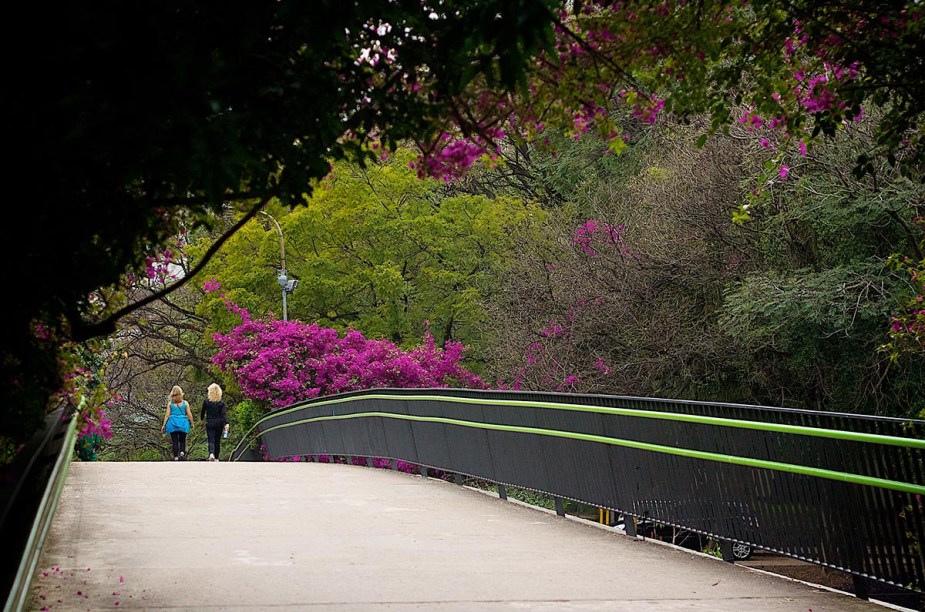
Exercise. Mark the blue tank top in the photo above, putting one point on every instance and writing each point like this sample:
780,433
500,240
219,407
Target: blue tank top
177,421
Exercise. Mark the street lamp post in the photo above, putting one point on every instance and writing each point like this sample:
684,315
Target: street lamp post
288,285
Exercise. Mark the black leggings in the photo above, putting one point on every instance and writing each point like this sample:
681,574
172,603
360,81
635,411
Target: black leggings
178,439
215,438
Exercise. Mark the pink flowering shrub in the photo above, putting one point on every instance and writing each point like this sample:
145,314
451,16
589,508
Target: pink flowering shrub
91,398
83,393
93,428
548,362
283,362
603,233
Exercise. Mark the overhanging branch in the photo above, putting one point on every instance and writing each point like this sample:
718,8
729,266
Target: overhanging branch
84,331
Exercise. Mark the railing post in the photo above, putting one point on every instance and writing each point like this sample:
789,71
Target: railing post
725,547
502,492
560,507
458,479
629,525
860,587
393,464
423,469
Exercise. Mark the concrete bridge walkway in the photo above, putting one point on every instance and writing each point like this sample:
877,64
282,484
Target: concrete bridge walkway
286,536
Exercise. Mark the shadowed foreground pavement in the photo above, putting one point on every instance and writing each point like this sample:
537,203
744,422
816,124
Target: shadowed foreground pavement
308,536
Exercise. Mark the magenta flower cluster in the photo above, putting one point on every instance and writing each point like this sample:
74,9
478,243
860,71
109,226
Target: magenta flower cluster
95,425
284,362
163,267
450,159
818,90
585,235
649,111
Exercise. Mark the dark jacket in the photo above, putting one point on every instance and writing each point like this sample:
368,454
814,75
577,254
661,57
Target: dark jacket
214,413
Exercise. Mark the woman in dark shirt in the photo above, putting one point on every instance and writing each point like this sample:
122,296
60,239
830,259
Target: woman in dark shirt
214,415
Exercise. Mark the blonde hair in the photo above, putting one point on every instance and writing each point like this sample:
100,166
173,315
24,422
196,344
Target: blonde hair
176,394
215,392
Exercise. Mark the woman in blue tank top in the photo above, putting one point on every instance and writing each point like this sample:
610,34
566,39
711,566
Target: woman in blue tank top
177,421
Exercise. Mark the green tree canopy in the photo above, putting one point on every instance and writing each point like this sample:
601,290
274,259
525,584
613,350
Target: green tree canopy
377,250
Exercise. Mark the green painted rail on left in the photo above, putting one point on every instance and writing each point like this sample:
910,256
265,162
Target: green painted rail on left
19,591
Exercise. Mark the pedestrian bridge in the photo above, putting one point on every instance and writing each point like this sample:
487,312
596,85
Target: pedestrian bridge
840,491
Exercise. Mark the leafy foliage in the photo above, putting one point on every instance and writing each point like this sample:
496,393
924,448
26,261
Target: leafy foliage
815,314
907,329
641,286
377,250
245,415
619,293
803,68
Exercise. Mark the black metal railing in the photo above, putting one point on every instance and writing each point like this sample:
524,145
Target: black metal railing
839,490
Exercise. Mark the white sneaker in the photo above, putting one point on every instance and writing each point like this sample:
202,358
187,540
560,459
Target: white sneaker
176,458
211,457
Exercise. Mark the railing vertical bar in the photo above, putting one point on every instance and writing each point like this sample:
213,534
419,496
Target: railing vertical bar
894,563
885,530
792,523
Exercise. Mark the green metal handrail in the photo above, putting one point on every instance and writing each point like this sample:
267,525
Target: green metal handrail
19,591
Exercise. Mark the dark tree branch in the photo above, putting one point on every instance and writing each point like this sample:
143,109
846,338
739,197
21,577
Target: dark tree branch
84,331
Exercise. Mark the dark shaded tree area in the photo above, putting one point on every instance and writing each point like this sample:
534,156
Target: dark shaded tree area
127,119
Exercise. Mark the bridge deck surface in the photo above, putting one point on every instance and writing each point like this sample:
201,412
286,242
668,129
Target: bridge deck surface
305,536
